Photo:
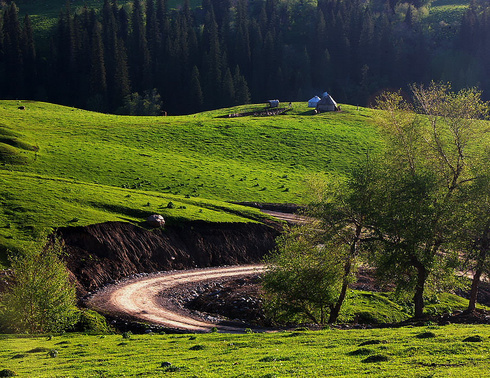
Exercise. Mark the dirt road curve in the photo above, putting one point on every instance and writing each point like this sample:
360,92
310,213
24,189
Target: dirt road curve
288,217
140,298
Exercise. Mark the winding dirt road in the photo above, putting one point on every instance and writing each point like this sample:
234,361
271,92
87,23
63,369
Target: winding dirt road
141,298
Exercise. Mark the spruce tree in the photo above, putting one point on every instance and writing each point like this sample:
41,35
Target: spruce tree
13,51
196,95
29,56
242,93
139,55
98,84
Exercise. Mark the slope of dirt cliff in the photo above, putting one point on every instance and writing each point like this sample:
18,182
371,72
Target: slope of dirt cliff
102,253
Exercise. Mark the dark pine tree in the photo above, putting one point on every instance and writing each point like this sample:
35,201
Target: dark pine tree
139,55
14,63
195,91
242,93
98,84
29,58
212,62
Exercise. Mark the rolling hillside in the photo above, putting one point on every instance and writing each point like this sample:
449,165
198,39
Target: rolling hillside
64,166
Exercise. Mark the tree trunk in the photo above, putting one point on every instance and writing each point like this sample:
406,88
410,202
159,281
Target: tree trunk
475,284
474,290
484,245
418,297
334,313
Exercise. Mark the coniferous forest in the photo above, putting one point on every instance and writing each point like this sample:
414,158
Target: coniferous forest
144,58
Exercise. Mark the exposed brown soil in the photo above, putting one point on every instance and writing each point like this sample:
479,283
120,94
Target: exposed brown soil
104,253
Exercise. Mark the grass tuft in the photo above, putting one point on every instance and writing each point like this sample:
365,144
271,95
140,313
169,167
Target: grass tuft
361,352
426,335
473,339
376,358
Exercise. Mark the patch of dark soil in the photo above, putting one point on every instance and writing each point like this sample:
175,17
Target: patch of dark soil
104,253
237,300
478,316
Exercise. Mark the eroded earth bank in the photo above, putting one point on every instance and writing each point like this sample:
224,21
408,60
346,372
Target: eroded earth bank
104,253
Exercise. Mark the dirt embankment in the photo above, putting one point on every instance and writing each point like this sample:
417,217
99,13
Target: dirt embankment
104,253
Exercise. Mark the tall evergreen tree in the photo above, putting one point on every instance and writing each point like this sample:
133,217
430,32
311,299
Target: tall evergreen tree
98,84
139,54
196,95
29,56
228,91
212,61
242,93
13,51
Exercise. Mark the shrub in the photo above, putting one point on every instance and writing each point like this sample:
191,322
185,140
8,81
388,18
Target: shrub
41,298
127,335
53,353
92,322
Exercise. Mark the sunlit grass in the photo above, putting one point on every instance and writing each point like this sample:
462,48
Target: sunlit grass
61,163
323,353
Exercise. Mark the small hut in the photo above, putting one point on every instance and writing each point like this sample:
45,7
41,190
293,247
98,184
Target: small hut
313,101
273,103
326,104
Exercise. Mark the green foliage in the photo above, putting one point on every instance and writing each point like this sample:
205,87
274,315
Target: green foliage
53,353
430,159
303,279
148,104
92,322
41,298
127,335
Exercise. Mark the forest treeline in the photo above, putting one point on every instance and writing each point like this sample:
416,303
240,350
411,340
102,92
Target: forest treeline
144,58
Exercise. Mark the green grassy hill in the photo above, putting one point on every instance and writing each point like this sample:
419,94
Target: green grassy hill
62,166
402,352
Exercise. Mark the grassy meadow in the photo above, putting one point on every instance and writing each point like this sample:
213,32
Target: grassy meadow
428,351
62,166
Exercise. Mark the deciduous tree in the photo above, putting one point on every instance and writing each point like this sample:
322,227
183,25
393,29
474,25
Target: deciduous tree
41,298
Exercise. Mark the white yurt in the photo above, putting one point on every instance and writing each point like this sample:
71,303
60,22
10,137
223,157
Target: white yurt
313,101
326,104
